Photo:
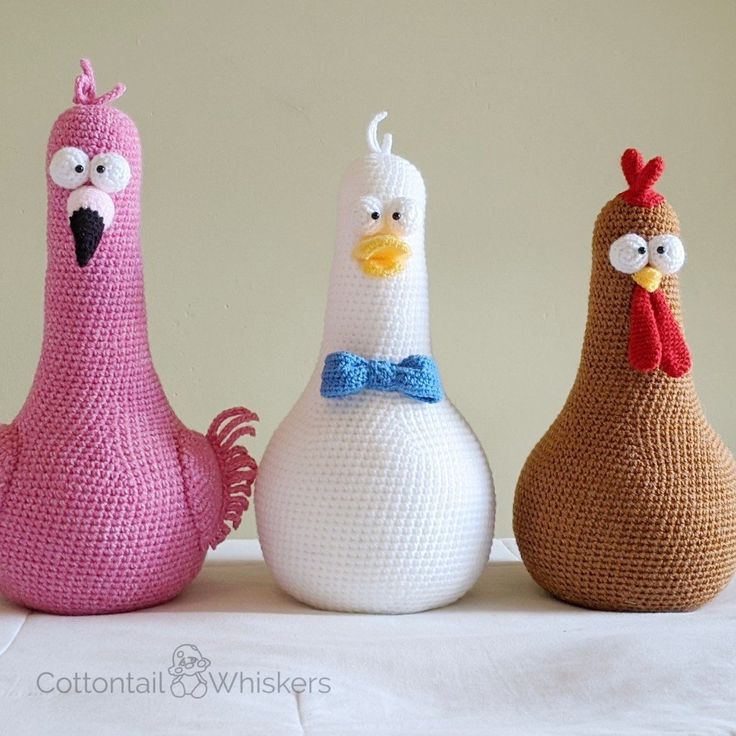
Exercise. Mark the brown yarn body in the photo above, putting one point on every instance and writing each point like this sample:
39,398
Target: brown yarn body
628,502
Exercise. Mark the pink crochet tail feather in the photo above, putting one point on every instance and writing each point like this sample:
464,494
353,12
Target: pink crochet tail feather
237,467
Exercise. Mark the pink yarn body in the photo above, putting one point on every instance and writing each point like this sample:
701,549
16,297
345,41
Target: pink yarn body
107,502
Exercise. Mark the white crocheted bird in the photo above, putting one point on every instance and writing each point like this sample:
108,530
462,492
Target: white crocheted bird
374,494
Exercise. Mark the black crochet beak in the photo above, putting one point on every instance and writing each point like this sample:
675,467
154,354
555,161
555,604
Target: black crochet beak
87,228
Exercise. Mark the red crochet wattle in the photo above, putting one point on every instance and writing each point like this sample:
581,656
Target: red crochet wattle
655,338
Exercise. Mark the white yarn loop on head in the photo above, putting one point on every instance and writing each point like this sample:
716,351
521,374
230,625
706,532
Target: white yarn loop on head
385,145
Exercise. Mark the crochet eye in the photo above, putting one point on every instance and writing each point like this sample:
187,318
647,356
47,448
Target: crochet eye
629,253
667,253
110,172
371,212
404,215
69,167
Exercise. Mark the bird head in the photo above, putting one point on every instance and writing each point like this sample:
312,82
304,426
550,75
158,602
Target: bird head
648,247
637,254
381,213
94,168
378,301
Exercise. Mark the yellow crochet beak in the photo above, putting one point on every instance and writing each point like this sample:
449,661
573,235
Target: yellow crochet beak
382,255
648,278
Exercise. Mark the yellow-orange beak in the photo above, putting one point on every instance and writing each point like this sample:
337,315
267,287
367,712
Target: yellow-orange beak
648,278
382,255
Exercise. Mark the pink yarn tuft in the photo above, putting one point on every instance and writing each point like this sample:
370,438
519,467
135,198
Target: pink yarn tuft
85,90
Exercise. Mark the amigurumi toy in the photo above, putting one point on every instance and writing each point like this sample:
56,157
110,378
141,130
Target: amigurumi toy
107,501
628,502
374,494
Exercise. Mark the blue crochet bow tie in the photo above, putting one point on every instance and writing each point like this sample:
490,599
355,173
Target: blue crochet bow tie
347,373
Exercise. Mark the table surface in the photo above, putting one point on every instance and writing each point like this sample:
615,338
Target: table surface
506,659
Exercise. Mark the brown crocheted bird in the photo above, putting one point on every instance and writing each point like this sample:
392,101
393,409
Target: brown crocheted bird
628,502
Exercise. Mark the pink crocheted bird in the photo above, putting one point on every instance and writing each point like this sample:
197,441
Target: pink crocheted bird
107,501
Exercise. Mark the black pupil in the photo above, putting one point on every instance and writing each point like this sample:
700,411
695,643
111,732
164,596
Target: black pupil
642,250
100,169
79,168
396,215
660,249
375,215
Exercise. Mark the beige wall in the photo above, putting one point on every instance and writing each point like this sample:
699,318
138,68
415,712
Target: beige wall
516,112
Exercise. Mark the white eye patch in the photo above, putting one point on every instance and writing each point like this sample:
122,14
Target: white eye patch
666,253
69,167
109,172
402,214
629,253
370,215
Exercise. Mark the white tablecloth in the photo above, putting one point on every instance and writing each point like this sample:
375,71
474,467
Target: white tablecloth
507,659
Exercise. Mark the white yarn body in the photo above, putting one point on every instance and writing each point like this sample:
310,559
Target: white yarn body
375,502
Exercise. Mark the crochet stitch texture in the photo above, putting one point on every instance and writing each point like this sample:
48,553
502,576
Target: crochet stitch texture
107,501
375,501
628,502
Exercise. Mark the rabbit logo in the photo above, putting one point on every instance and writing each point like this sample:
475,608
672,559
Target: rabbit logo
187,667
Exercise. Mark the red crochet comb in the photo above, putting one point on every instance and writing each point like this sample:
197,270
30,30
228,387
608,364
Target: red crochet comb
641,178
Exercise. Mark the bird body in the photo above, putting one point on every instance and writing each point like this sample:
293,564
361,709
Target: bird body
628,502
374,494
107,501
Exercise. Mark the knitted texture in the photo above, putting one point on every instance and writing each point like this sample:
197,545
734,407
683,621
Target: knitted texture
628,502
107,502
655,338
375,502
417,376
